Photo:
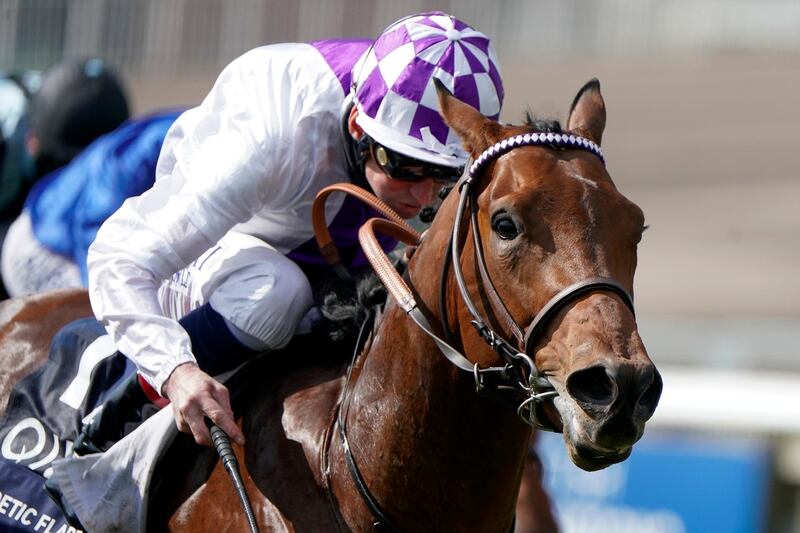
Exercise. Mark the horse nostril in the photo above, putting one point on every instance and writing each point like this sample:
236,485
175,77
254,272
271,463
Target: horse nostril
651,395
592,388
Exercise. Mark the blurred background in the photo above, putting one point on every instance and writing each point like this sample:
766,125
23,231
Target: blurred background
703,112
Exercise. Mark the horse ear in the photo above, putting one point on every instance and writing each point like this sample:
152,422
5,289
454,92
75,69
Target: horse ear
472,127
587,116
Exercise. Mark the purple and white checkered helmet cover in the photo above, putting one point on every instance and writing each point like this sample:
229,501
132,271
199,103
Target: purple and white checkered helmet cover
394,90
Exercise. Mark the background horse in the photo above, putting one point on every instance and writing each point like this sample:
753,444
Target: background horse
432,453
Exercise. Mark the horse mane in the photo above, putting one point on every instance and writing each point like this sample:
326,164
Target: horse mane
538,124
346,305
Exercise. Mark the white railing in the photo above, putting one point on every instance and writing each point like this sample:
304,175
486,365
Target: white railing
737,401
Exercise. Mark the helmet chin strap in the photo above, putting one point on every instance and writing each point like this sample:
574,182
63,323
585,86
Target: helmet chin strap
355,150
361,153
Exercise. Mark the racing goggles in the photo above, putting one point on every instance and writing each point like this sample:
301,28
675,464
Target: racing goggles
400,167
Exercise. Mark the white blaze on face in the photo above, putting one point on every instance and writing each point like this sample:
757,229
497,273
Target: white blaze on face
588,205
583,180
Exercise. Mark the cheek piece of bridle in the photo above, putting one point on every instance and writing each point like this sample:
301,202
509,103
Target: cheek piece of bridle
519,372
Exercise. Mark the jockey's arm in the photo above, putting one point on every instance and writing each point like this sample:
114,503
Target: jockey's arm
218,167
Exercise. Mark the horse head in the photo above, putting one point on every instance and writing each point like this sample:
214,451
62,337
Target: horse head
549,217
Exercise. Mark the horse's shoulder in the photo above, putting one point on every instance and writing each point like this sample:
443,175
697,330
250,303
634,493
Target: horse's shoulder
303,408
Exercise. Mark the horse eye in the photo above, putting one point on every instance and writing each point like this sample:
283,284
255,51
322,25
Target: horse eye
505,227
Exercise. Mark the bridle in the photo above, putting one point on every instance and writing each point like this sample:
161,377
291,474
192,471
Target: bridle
519,373
519,359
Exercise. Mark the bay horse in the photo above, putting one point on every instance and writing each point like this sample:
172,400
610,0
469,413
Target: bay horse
406,440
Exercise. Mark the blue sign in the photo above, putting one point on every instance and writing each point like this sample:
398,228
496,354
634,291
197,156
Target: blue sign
671,483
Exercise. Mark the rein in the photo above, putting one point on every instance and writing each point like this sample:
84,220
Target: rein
519,372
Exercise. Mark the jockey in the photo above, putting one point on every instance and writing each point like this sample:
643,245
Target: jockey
46,119
16,164
46,246
211,266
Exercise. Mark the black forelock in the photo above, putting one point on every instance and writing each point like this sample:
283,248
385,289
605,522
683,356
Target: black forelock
541,125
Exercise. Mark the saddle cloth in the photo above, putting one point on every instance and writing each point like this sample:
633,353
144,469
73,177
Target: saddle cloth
110,491
24,506
44,414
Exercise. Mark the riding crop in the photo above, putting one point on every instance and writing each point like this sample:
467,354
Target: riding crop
223,446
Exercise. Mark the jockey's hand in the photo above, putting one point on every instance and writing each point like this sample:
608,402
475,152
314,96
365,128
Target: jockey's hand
195,395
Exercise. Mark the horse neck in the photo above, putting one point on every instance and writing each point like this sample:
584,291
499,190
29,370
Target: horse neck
427,443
